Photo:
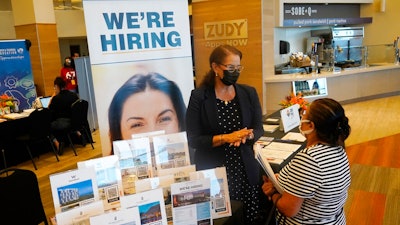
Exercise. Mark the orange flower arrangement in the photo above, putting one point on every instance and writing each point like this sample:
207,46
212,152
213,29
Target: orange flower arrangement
293,99
6,100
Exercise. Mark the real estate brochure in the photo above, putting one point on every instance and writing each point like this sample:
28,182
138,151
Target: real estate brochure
191,202
80,215
109,180
220,200
171,150
134,161
150,205
73,188
163,182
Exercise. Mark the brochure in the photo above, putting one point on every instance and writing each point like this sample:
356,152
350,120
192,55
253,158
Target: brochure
263,161
150,135
109,180
80,215
163,182
180,174
73,188
191,202
134,161
150,205
171,150
220,200
120,217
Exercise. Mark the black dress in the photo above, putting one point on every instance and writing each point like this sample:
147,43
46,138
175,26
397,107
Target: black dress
229,120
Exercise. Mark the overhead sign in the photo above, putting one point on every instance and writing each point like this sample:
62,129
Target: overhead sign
322,14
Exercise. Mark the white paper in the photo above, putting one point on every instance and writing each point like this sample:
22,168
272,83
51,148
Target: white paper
220,200
150,204
290,117
191,202
270,128
73,188
109,180
171,150
134,160
80,215
294,136
282,146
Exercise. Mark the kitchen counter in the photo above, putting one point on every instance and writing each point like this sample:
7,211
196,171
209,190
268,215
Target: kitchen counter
348,71
349,85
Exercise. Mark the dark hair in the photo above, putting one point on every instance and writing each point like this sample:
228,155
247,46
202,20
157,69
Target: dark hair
72,62
217,56
139,83
60,82
331,123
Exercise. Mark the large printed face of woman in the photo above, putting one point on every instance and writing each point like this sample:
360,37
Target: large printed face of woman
148,111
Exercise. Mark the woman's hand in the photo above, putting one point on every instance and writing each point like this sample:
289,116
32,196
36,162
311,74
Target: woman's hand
268,187
239,137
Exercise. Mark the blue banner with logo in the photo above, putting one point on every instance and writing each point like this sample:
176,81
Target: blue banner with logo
16,79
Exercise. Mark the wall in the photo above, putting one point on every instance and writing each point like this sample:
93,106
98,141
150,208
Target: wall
385,25
251,47
7,25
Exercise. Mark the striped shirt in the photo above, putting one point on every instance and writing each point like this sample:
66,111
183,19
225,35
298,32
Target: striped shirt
320,175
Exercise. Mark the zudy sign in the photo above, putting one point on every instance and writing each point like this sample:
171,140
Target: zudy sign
233,32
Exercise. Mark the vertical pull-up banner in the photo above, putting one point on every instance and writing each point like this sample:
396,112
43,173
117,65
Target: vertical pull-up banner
16,79
129,39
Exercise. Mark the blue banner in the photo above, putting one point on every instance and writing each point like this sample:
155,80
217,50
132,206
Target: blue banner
16,79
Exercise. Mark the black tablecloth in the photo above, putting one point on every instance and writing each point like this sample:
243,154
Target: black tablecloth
14,151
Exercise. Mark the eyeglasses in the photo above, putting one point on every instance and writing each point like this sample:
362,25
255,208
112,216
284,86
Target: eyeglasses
231,68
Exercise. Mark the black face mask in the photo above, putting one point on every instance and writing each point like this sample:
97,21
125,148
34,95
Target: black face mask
230,78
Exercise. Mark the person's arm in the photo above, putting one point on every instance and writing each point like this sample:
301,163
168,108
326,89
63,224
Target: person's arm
287,204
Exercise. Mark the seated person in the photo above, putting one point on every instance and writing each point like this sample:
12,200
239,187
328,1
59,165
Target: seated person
60,106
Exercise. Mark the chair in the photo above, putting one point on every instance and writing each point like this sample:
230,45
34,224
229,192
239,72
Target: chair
38,130
20,198
79,121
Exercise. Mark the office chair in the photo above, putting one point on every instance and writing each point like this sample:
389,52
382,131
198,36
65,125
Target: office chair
38,131
79,121
20,198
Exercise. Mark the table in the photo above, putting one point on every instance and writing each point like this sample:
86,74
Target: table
15,152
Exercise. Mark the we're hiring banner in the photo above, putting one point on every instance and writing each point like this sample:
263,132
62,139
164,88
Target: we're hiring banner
130,37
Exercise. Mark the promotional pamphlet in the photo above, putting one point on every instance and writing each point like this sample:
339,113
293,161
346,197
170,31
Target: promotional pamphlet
220,200
73,188
134,161
191,202
109,180
80,215
150,135
163,182
150,205
171,150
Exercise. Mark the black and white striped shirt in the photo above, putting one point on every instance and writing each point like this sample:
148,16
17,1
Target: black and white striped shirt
320,175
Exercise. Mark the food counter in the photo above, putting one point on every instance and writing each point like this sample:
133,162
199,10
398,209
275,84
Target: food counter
349,85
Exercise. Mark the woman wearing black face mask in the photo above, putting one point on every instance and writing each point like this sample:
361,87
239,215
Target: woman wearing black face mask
223,121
